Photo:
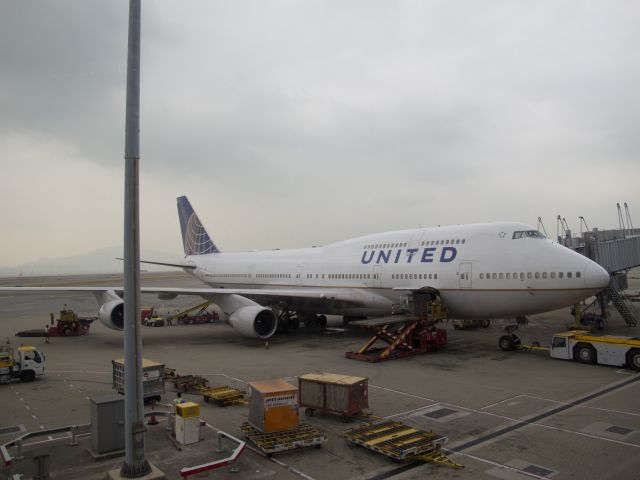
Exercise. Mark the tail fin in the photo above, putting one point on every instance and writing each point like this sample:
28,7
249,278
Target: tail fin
195,239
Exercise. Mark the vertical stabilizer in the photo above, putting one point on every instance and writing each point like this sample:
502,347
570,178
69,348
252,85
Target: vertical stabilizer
195,239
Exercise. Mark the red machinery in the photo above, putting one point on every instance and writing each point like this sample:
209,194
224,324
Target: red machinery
405,334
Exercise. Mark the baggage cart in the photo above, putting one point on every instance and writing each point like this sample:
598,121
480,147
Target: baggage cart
330,392
153,378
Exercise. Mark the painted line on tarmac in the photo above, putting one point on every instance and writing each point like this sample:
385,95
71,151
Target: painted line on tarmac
403,393
520,424
608,410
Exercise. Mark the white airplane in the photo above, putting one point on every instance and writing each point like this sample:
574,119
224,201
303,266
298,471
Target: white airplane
488,270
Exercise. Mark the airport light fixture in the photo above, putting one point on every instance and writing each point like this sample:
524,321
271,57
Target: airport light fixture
135,464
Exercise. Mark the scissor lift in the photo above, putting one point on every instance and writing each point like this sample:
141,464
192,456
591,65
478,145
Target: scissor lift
407,334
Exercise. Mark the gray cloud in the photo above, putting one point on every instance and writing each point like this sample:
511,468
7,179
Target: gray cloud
368,115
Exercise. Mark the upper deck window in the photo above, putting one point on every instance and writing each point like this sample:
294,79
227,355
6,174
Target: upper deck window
528,234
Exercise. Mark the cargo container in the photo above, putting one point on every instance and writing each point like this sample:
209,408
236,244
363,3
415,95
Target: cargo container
332,392
273,406
153,378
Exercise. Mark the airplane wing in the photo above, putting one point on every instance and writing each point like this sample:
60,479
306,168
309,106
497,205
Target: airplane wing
307,297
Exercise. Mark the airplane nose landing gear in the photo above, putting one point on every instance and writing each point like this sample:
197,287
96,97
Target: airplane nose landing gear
510,341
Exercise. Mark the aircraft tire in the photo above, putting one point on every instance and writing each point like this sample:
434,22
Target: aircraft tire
485,323
322,321
506,343
585,353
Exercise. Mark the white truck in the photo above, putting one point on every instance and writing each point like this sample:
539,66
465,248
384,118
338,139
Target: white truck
586,347
23,363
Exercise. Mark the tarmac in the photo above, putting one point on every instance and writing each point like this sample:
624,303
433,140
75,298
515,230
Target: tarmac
507,415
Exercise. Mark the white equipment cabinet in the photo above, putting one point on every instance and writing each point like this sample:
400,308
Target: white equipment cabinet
187,426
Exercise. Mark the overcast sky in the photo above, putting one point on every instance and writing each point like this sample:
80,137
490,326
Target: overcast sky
298,123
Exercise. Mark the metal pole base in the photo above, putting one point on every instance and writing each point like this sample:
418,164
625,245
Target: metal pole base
153,473
135,470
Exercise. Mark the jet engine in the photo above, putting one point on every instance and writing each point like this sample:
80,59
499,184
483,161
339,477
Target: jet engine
111,314
254,321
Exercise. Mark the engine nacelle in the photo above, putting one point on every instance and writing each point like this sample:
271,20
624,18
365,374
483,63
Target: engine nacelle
254,321
111,314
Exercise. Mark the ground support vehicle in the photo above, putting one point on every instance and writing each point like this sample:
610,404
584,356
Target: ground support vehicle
69,324
400,442
197,314
330,392
153,374
406,334
153,322
23,363
304,435
223,396
585,347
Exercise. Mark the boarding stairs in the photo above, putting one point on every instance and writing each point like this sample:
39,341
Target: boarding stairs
627,311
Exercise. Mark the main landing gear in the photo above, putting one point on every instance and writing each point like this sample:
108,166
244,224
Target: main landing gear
289,320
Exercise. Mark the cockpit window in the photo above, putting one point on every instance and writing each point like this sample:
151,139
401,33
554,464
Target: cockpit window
528,234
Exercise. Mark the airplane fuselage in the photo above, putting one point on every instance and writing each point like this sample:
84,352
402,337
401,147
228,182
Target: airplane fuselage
481,270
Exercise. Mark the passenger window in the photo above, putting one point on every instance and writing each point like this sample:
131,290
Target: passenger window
537,275
481,276
577,274
560,274
508,276
569,275
495,276
544,275
435,276
529,276
464,240
501,276
521,275
553,274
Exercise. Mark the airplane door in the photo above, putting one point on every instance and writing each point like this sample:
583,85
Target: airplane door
464,275
376,281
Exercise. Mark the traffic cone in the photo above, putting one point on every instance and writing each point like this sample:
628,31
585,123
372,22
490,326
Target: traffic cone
152,419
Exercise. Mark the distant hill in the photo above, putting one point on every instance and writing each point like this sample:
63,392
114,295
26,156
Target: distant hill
97,261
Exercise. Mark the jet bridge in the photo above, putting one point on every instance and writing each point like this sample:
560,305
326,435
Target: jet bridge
617,251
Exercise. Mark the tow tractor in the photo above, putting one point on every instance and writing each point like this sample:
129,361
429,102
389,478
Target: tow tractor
584,347
22,363
69,324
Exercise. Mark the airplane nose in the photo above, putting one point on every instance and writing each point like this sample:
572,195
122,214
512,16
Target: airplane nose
596,276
